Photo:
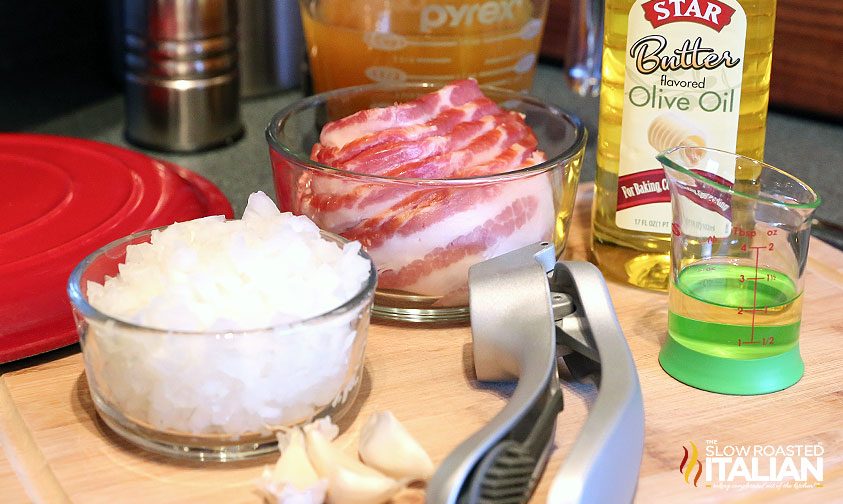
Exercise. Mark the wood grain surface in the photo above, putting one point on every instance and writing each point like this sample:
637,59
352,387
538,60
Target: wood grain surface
807,69
425,376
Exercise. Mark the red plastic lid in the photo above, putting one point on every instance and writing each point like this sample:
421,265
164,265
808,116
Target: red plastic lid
61,199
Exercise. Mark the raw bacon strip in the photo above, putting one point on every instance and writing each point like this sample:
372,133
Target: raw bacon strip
392,159
473,142
422,109
425,208
482,237
387,157
423,238
418,211
536,158
440,125
456,297
509,130
521,154
400,251
484,150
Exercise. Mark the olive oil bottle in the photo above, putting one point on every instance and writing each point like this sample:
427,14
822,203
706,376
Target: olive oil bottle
675,72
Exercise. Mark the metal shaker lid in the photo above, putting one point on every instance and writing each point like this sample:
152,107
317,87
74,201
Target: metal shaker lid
180,20
182,89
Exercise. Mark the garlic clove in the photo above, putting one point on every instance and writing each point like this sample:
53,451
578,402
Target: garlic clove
349,487
349,480
293,480
294,466
325,426
387,446
289,494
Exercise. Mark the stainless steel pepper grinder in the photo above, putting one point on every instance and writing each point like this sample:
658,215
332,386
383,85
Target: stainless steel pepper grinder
270,46
182,88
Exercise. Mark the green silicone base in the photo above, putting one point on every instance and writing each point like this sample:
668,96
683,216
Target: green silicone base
731,376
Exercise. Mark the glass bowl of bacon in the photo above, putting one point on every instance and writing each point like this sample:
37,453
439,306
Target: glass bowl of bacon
430,179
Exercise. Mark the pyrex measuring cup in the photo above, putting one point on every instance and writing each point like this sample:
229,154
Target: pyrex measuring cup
353,42
738,252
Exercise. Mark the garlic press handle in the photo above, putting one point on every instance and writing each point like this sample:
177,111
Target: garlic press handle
513,337
604,462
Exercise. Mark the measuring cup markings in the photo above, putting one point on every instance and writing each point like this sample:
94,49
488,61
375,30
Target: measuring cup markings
754,310
712,308
432,61
500,82
738,255
501,59
523,65
364,41
720,305
758,273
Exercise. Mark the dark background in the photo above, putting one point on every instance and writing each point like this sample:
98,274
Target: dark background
54,57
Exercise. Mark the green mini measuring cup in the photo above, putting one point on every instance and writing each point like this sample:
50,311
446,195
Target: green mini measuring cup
739,247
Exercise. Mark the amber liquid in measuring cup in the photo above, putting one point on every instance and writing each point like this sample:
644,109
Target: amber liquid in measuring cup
353,42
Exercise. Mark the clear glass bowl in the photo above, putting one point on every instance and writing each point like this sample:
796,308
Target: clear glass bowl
216,395
423,256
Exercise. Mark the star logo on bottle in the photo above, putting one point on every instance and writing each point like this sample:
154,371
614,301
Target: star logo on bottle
712,13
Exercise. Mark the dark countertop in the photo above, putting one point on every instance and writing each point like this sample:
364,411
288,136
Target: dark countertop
810,149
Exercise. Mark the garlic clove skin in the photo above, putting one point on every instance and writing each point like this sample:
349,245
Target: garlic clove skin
293,480
349,480
349,487
325,427
289,494
293,466
387,446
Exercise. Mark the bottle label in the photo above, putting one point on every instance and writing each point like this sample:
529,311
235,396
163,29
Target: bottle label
682,86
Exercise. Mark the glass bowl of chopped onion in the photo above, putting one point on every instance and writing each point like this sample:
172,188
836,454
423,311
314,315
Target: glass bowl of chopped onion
219,392
431,179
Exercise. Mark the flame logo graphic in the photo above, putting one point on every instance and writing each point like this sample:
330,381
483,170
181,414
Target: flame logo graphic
689,462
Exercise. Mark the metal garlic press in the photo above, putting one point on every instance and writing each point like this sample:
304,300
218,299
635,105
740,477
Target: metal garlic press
530,314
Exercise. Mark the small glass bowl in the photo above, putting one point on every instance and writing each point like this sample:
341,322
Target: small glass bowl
216,395
423,256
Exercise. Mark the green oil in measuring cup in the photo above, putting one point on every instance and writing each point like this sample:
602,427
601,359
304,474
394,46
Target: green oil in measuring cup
733,329
734,311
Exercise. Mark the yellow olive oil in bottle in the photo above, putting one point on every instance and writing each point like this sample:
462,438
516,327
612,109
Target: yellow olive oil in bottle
675,72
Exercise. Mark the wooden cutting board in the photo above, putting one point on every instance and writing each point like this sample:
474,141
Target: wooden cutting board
55,446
